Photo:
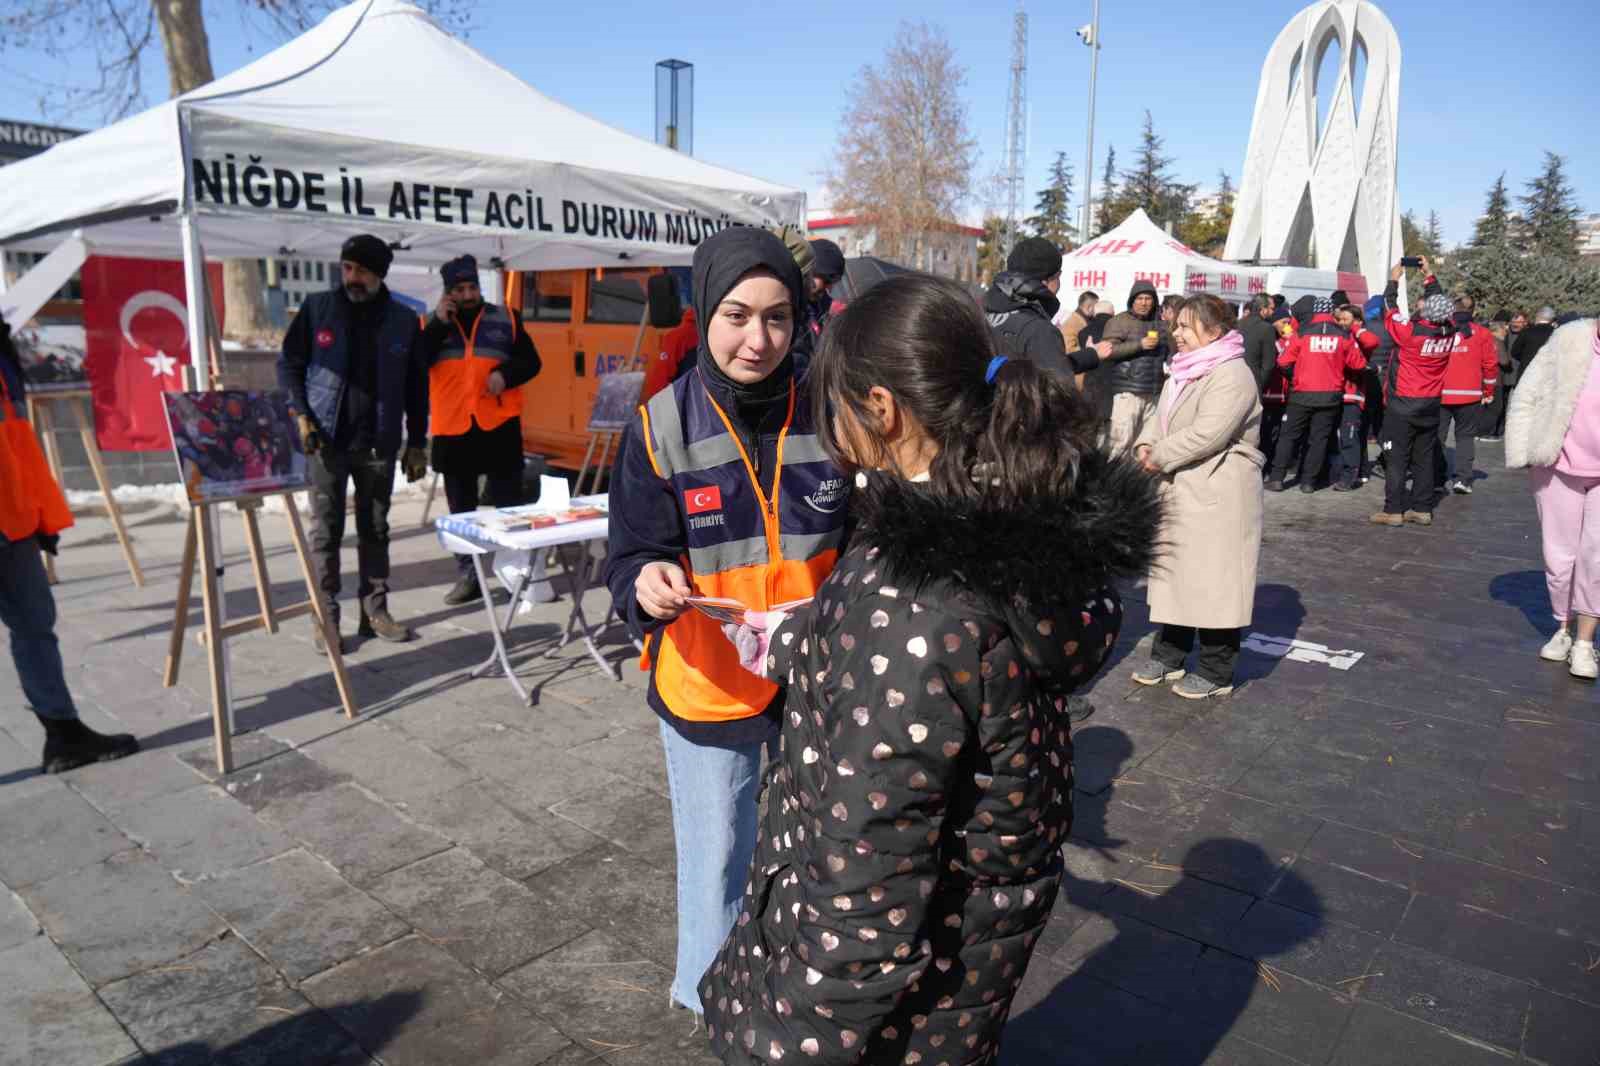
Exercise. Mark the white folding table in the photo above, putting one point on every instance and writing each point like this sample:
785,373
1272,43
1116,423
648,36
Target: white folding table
467,534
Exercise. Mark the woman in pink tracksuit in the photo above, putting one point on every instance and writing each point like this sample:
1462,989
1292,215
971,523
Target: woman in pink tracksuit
1553,426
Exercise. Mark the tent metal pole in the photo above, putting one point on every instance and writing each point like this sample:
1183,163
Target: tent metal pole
204,373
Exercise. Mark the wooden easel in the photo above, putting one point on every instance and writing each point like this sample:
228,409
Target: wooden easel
41,413
197,547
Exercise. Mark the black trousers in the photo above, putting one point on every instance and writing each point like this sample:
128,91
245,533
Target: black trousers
461,491
1410,436
1352,444
1271,429
1298,421
1466,418
1372,417
1495,420
1219,651
331,474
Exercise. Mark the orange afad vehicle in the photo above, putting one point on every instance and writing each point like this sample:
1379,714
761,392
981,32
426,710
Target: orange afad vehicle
586,324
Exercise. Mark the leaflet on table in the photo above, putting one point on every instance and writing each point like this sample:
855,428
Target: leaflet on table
522,519
731,612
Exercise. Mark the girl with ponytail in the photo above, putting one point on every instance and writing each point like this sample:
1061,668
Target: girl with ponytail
911,844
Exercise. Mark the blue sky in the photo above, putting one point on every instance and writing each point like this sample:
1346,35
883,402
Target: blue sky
1481,91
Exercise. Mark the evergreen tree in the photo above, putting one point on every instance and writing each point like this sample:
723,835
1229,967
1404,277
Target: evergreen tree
1414,237
991,249
1494,227
1146,184
1053,209
1433,235
1499,281
1109,195
1207,233
1551,211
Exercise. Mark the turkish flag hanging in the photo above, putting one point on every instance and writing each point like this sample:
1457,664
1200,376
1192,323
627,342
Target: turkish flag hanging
136,332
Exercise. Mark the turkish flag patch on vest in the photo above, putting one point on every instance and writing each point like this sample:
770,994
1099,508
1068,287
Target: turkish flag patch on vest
699,501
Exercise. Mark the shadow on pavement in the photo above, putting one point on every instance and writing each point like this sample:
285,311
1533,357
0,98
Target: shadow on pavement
308,1038
1527,592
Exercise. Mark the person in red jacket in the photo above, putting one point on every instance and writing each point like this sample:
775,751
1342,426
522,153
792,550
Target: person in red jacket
1413,386
1469,386
677,345
1353,467
1320,354
1275,392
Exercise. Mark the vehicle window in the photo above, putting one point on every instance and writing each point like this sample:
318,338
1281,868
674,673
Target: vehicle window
547,297
617,296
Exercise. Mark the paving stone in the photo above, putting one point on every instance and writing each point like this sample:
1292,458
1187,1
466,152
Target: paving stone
1329,953
300,914
634,755
286,775
1340,895
633,818
532,775
1558,963
473,817
413,1005
1215,749
443,723
362,837
1239,842
1172,900
1284,1014
47,1013
259,1024
42,838
602,991
620,894
1467,1000
1068,1027
1377,1037
124,783
482,917
1562,1032
248,749
1145,960
17,923
201,832
223,966
121,915
388,762
688,1048
1379,856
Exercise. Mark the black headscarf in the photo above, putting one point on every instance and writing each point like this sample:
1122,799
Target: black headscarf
719,263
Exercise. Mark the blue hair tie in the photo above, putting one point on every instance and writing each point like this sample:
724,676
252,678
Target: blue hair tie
994,368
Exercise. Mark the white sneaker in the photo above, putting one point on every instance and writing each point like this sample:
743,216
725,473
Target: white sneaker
1584,663
1558,649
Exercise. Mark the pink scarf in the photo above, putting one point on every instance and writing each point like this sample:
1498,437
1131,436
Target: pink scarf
1192,366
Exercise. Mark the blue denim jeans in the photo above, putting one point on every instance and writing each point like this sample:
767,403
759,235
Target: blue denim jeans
28,609
714,794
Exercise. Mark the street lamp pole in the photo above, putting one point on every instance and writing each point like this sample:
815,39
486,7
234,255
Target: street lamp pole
1090,36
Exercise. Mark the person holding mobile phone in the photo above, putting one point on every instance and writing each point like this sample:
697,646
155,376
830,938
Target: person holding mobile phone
1414,385
722,489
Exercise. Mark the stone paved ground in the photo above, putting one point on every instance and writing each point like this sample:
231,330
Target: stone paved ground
1391,864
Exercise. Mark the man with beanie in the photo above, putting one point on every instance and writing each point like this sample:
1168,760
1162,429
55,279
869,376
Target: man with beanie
1021,304
1469,386
1413,384
827,267
352,363
1319,354
33,512
478,359
1136,344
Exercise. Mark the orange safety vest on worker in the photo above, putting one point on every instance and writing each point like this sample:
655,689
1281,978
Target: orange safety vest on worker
458,392
31,503
741,543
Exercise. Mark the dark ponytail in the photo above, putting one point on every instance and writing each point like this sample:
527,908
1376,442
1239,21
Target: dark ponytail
923,338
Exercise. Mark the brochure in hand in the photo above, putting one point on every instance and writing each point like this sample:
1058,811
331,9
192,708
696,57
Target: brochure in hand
731,612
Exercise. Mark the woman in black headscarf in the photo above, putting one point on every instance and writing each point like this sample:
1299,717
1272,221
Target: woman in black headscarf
721,489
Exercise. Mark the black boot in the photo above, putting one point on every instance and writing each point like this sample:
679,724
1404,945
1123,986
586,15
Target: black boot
466,590
69,744
378,622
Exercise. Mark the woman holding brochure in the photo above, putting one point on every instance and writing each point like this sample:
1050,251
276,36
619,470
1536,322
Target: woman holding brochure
721,490
911,845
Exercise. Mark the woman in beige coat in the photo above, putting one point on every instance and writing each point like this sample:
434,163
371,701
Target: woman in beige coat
1203,444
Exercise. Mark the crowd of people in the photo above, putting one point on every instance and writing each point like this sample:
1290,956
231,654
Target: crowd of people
927,506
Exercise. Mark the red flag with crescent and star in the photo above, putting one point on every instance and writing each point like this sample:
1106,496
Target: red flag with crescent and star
136,333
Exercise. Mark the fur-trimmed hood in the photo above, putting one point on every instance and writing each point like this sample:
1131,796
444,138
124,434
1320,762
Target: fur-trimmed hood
1023,565
1546,396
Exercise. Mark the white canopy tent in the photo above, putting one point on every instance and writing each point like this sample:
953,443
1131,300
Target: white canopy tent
1139,250
377,120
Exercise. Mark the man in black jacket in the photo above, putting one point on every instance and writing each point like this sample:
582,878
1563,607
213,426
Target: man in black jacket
1021,304
1136,343
352,364
1533,338
1260,339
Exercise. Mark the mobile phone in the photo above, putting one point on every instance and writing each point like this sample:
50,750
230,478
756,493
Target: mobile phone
1414,261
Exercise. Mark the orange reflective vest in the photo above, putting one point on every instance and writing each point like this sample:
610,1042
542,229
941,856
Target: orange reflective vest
31,502
758,546
458,393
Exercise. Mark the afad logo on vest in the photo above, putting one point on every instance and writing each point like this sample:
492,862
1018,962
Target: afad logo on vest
698,502
324,338
829,496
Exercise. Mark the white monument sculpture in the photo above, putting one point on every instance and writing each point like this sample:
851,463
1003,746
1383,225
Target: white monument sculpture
1322,193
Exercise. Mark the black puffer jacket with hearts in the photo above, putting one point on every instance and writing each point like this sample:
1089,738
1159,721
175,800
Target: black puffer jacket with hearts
910,845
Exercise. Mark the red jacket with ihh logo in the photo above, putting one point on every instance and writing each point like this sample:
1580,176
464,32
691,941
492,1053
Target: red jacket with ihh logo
1474,368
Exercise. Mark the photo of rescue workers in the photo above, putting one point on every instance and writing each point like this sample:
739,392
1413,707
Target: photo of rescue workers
234,443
